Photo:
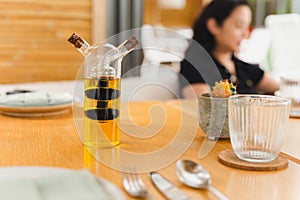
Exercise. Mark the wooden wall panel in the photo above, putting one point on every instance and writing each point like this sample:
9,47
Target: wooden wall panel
33,38
184,17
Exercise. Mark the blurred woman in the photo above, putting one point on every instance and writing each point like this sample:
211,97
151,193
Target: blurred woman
220,30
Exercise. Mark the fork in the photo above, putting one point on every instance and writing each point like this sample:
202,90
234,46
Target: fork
133,184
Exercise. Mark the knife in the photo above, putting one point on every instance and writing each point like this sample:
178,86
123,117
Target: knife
170,191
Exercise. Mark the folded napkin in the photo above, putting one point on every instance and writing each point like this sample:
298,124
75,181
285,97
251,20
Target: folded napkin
35,99
69,185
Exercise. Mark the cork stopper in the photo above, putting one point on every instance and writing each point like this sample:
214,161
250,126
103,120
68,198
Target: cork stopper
76,40
131,43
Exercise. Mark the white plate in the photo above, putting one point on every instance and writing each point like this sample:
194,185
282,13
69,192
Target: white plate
40,103
35,172
295,114
35,111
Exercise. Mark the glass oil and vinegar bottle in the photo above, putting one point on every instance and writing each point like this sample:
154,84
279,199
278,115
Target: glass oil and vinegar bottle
102,90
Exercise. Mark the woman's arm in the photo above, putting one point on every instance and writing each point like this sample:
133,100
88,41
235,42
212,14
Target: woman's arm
267,84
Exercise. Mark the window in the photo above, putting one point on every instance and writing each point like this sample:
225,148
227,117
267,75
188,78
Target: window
263,8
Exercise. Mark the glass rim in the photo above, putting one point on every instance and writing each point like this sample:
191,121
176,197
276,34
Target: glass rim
278,100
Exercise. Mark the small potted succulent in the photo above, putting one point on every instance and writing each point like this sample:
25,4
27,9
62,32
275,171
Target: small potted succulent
213,117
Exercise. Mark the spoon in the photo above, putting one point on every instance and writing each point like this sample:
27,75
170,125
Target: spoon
195,176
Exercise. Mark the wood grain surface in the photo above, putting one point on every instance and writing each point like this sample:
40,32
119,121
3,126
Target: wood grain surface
53,141
33,39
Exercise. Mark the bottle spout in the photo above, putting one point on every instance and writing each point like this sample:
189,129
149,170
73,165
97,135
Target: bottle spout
116,53
102,57
80,44
122,50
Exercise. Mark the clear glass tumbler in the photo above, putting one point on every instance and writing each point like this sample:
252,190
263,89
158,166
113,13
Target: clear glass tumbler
257,125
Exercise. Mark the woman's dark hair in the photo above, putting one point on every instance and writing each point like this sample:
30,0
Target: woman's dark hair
219,10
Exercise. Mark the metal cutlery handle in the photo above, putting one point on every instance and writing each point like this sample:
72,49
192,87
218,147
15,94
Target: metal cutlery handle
170,191
217,193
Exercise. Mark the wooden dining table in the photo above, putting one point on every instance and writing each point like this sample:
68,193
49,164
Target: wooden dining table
168,130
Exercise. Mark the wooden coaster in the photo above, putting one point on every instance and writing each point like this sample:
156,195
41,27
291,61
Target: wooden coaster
227,157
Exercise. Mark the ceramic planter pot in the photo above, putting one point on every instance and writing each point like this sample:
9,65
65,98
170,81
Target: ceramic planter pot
213,116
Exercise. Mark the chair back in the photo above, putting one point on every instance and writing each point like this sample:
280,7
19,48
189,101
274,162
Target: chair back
285,45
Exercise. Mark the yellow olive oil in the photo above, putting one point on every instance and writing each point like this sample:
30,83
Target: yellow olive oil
102,112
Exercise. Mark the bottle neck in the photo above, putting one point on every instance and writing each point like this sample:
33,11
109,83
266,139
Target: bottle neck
80,44
127,46
84,49
123,49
